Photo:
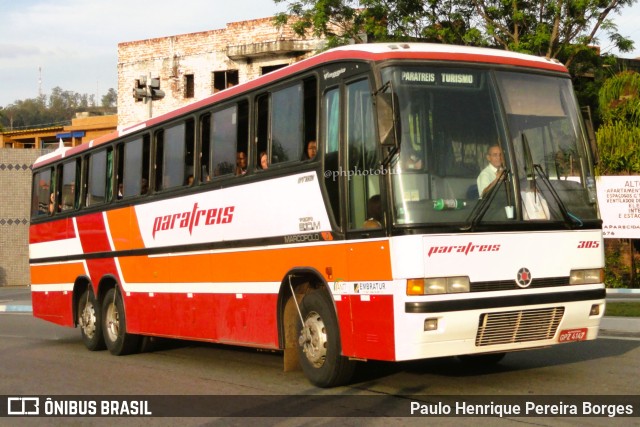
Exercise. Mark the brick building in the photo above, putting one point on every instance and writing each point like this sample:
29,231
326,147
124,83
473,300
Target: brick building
193,66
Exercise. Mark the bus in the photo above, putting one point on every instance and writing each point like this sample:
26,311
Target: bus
331,210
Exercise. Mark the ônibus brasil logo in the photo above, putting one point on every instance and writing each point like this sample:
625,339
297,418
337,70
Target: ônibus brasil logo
193,218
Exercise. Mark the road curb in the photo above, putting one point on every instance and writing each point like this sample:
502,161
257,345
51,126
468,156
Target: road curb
16,308
625,291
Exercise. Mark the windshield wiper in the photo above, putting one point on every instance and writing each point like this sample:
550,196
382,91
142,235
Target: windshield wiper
569,219
531,170
480,209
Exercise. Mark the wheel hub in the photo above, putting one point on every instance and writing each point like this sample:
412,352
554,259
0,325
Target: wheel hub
313,339
88,320
112,322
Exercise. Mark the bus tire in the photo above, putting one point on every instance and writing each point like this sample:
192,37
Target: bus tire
114,328
319,348
89,321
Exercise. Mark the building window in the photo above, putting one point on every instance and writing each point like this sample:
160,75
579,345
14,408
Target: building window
271,68
224,79
189,89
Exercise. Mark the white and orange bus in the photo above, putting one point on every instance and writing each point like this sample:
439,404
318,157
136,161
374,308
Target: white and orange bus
217,222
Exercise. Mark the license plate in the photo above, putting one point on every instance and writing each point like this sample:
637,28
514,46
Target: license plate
569,335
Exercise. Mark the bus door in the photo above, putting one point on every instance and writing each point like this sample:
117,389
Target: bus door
363,175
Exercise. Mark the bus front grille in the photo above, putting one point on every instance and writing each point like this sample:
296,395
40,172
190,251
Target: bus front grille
518,326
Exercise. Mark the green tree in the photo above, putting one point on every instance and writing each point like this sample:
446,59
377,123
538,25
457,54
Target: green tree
58,108
561,29
347,21
619,135
110,99
336,20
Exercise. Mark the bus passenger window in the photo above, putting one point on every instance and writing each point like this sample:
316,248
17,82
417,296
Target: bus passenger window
68,180
287,124
99,177
133,169
205,148
41,193
175,155
310,119
223,141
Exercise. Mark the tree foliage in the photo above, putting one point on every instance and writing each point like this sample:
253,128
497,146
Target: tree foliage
110,99
58,108
618,136
562,29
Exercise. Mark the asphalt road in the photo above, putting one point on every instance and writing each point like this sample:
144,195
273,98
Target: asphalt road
41,359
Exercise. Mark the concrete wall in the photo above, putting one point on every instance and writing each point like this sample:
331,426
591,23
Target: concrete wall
246,46
15,185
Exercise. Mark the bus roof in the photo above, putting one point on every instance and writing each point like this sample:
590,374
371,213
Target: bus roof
362,52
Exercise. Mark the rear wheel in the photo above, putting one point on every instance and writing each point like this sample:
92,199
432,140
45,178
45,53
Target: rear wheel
319,347
118,341
89,321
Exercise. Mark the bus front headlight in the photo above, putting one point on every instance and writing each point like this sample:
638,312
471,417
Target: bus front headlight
587,276
438,285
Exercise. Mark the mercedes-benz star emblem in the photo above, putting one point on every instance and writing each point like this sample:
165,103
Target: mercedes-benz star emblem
524,277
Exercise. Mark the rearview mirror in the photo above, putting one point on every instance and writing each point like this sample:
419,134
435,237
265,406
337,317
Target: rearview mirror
388,124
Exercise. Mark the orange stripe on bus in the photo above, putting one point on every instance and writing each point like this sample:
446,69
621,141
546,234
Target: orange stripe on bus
348,262
56,273
125,231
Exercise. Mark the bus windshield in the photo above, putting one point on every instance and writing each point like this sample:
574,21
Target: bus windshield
466,134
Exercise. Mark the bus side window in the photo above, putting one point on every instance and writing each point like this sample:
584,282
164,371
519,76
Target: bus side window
224,141
174,155
205,148
41,193
99,178
68,181
262,128
133,167
310,140
287,107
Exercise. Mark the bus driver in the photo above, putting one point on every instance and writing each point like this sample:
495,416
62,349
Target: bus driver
489,176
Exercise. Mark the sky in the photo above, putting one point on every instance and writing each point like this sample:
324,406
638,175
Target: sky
73,44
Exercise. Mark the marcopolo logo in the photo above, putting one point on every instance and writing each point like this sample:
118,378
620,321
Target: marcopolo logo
193,218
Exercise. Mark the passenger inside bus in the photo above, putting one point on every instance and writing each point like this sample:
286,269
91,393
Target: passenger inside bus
263,160
489,176
241,163
311,150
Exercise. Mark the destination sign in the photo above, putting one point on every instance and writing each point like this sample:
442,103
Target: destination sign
439,78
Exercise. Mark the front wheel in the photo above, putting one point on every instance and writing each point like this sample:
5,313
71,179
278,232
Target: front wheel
118,341
319,348
89,321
